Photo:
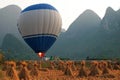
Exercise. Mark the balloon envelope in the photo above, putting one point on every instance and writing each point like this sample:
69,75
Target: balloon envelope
39,25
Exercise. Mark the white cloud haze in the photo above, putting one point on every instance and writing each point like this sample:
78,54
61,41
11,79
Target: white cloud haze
69,9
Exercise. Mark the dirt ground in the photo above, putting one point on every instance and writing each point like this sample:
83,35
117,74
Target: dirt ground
59,75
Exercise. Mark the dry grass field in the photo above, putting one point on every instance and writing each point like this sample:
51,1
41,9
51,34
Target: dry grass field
60,70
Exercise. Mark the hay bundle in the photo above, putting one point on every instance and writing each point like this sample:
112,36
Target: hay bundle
94,71
3,76
83,70
73,66
8,70
39,65
52,65
116,66
68,70
30,65
34,72
6,65
61,66
100,65
105,68
109,65
11,71
24,73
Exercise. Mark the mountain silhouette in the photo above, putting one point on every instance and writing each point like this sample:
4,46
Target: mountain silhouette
111,21
14,49
8,21
89,36
77,38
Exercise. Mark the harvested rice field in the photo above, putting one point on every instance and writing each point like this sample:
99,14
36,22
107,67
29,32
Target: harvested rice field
60,70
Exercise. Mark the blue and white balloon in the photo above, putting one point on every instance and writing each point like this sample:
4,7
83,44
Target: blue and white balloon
40,25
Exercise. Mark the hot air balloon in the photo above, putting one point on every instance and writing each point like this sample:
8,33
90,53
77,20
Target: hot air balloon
40,25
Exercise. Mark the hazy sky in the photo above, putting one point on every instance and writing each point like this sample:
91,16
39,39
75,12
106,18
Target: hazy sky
69,9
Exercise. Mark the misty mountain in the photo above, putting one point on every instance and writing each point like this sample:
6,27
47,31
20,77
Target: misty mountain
109,34
8,21
14,49
111,20
87,20
75,42
89,36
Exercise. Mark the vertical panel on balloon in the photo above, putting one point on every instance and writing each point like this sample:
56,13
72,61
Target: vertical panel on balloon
53,31
29,23
46,21
43,45
51,22
53,27
41,21
59,25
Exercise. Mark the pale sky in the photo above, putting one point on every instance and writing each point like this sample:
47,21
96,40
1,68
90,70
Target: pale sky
68,9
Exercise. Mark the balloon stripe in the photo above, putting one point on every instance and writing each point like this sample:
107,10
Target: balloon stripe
37,35
38,7
33,41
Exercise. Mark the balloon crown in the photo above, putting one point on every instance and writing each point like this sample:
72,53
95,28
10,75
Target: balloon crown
39,6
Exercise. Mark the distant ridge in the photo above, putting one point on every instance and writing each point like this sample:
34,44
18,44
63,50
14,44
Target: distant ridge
8,21
73,43
14,49
89,36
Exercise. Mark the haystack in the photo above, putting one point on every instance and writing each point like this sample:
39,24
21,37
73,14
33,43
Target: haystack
11,71
73,66
24,73
61,66
52,65
116,66
105,69
100,65
34,72
6,65
109,65
83,70
68,71
94,71
2,76
39,65
30,65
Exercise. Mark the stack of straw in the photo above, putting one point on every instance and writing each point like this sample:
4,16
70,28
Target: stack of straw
24,73
83,70
68,71
11,71
94,71
35,72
